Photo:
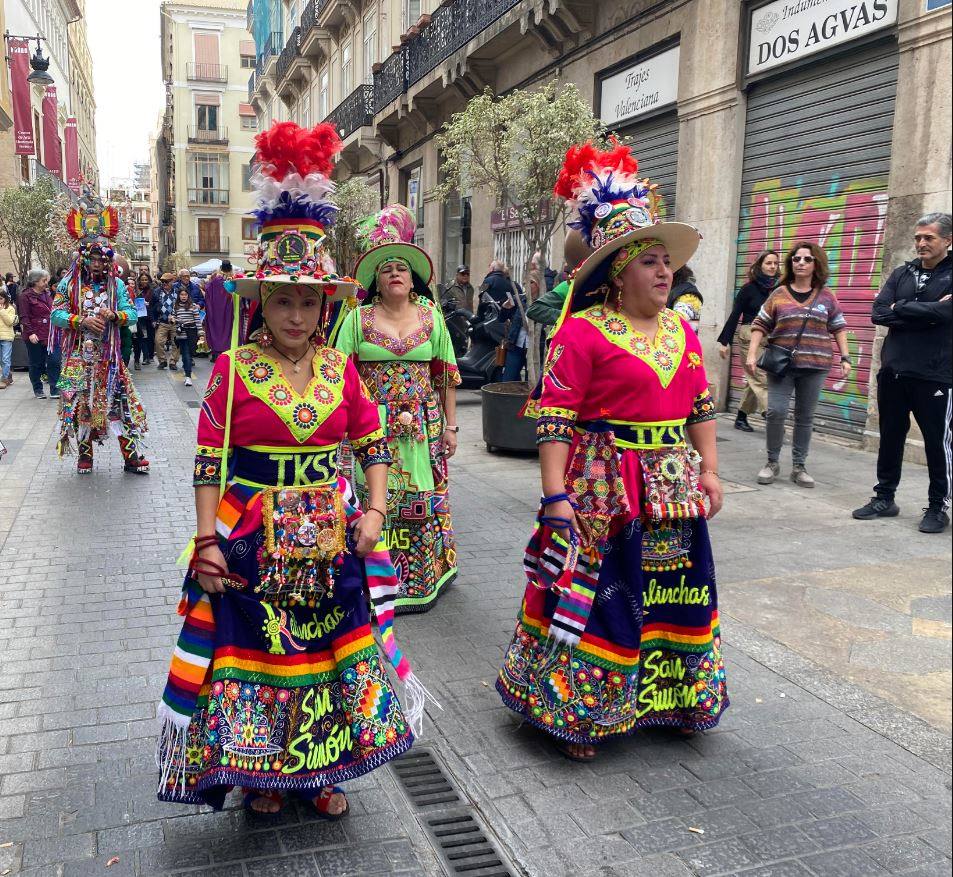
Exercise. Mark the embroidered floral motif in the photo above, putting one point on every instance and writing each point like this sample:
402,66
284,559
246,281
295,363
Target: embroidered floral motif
213,385
663,357
301,413
554,429
694,360
397,346
208,466
703,408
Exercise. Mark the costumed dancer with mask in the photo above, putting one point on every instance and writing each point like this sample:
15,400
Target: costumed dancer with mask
277,685
90,308
618,628
400,344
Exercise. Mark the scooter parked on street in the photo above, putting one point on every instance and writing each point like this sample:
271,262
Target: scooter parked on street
478,365
457,319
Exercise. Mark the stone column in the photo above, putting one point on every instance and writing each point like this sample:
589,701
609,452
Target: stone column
920,174
710,145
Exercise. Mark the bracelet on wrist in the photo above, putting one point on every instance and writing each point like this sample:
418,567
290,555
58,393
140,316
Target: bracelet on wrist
556,497
449,428
375,509
710,472
845,359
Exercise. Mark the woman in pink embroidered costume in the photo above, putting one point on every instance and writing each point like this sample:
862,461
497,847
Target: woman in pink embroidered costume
402,350
277,684
90,307
619,624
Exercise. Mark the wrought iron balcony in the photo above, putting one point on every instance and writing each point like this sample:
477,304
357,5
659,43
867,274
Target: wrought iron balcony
355,111
215,247
309,18
288,55
199,71
252,82
450,28
209,197
218,136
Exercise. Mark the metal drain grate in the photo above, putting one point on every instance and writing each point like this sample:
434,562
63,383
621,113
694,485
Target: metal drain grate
460,839
423,779
465,847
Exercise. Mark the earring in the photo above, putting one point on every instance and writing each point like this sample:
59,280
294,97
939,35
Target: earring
618,298
316,339
265,338
414,297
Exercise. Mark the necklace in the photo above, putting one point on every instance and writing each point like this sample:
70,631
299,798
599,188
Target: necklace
294,362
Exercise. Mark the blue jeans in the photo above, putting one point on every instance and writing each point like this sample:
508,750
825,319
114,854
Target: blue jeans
43,360
6,357
514,364
187,348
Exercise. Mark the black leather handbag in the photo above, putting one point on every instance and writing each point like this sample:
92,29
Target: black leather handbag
775,359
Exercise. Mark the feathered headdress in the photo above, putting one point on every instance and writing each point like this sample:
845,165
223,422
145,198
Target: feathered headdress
294,208
388,236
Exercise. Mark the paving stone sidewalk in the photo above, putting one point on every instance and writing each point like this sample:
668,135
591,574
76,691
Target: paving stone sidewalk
808,773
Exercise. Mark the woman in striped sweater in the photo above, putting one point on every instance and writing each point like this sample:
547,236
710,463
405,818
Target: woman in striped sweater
186,316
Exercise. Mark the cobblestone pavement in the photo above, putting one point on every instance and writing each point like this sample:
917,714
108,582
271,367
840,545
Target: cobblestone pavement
811,772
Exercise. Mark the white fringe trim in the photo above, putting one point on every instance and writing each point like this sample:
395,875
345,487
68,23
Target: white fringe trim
415,701
170,754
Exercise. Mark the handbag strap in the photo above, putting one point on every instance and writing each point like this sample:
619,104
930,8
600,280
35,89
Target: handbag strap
807,316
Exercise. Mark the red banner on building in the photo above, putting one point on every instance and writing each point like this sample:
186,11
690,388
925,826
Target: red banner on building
20,92
73,177
52,154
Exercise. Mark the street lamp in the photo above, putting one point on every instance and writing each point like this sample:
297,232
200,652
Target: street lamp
41,66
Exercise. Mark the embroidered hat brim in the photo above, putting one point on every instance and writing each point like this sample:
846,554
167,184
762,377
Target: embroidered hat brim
335,290
420,263
679,239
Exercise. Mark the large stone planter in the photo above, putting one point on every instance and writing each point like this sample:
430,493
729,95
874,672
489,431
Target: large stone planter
503,428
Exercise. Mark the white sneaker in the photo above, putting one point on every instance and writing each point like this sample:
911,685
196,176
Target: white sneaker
188,382
769,473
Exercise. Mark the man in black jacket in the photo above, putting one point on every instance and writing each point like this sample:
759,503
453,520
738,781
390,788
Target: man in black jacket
916,372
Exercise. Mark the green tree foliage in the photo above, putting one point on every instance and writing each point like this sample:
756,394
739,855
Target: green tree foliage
25,222
512,147
355,200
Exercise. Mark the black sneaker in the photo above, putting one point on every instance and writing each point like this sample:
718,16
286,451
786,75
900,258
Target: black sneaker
878,507
741,422
54,394
162,365
39,394
935,520
173,367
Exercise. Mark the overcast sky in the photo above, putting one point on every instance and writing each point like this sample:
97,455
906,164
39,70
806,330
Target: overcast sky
124,42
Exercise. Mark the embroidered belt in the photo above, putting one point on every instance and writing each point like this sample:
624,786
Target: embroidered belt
639,436
283,467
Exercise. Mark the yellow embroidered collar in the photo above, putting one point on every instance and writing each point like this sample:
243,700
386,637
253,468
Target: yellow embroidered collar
663,356
301,413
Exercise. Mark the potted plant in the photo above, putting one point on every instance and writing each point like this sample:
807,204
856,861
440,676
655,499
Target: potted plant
513,147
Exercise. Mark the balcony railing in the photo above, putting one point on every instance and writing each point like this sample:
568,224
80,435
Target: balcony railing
209,197
309,18
288,54
252,82
451,27
355,111
216,247
199,71
273,46
218,136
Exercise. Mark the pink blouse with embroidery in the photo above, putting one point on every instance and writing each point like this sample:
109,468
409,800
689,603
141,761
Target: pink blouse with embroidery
267,411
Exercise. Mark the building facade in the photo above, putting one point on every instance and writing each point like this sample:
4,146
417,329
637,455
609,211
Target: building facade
82,100
205,147
50,107
764,121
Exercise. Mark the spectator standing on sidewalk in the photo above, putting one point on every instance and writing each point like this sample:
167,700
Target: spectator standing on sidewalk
8,318
762,276
163,302
186,318
36,308
685,298
9,281
517,337
218,312
143,337
461,290
190,283
800,316
916,372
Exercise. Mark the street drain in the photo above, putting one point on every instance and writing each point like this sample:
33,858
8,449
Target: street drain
455,833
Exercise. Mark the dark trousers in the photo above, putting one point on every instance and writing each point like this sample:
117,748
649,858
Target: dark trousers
514,364
187,346
930,403
43,361
144,340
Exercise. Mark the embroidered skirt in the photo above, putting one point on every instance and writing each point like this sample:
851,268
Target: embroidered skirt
651,651
418,529
297,696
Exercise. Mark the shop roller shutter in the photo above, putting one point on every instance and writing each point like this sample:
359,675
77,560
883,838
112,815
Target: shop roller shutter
815,166
655,144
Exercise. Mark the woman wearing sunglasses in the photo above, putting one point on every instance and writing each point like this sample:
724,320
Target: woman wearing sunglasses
799,317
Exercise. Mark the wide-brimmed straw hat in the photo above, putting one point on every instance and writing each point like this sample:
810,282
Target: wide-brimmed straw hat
614,210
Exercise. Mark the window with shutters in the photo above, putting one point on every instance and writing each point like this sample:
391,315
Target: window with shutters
346,73
206,117
324,93
370,46
411,13
208,178
249,123
250,229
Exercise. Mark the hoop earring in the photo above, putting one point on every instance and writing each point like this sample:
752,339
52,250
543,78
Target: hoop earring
265,338
414,297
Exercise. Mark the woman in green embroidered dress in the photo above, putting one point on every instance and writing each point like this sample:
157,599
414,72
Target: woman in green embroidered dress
402,350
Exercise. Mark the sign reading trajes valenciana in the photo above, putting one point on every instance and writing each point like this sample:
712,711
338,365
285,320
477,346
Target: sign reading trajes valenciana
786,30
640,89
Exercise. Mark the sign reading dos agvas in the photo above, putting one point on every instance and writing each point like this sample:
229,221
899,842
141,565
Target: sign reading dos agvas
644,88
789,29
